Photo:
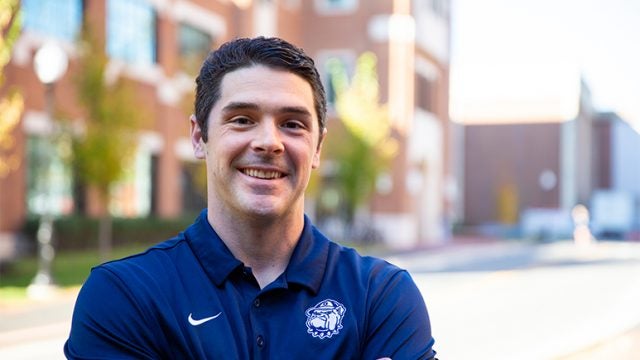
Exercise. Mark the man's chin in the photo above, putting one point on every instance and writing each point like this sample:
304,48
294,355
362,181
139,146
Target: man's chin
264,209
268,206
269,212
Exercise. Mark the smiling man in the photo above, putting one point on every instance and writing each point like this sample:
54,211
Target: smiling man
252,278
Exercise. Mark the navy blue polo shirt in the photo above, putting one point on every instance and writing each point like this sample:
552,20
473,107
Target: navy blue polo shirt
190,298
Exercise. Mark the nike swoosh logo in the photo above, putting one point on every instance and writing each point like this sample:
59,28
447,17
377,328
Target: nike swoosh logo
195,322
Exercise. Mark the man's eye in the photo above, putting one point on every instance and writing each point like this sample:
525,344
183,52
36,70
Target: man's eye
293,125
241,120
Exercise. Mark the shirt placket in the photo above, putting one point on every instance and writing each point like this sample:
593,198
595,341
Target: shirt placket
258,328
261,313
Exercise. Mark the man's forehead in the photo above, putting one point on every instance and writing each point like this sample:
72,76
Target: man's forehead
257,70
253,84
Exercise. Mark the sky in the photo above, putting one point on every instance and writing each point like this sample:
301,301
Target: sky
527,56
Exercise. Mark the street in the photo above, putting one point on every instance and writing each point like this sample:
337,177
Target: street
36,329
486,301
554,301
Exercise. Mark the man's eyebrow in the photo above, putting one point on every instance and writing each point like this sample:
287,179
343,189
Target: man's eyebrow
299,110
239,105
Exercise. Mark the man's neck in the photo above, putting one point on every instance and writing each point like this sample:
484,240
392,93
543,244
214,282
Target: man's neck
264,246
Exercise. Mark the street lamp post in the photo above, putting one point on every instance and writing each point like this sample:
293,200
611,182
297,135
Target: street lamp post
50,64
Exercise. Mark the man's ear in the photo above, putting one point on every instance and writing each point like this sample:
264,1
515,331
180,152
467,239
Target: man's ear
199,147
316,156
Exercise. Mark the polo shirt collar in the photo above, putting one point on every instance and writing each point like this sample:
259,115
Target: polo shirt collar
309,259
306,266
214,256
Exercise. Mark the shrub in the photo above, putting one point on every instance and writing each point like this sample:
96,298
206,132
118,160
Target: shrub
80,233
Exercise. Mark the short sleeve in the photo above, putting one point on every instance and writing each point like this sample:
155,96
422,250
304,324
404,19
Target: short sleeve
398,325
108,321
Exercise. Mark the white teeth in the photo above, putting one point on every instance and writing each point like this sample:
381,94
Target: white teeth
261,174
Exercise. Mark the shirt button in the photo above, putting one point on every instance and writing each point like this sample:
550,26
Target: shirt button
256,302
260,341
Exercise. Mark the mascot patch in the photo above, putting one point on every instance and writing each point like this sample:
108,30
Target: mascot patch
325,319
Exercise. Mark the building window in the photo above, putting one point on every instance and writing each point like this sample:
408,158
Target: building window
61,19
339,3
131,196
440,7
333,63
194,47
193,183
334,67
131,31
333,7
328,79
49,180
424,93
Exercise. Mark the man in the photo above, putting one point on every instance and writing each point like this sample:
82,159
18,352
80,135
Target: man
252,278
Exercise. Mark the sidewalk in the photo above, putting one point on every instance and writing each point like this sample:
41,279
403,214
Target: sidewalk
35,320
625,346
495,255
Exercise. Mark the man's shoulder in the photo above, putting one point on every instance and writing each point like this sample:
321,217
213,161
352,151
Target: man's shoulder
155,259
370,266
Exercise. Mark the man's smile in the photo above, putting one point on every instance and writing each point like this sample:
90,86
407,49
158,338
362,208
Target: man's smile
263,174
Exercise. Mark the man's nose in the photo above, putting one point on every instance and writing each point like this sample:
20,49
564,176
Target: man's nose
267,138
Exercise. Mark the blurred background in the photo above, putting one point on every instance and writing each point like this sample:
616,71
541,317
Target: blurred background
490,147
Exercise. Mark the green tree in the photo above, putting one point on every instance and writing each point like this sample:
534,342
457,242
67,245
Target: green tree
367,147
104,150
12,104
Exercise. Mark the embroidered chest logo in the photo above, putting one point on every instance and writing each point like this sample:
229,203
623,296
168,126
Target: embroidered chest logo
325,319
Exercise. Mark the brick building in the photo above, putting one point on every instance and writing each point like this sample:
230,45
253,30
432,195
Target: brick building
159,44
526,167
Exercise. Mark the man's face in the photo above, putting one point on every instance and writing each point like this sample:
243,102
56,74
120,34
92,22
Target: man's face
263,142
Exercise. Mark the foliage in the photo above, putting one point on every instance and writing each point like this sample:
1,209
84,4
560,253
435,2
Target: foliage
79,232
358,104
106,148
12,105
368,146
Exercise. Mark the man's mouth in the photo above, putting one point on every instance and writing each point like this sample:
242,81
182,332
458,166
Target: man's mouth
263,174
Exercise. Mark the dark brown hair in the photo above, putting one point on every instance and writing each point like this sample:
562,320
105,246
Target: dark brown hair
245,52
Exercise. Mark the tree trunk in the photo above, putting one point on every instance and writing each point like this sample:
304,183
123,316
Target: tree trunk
104,236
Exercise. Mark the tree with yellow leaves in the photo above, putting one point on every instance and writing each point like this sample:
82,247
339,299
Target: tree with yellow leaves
11,105
368,146
106,147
